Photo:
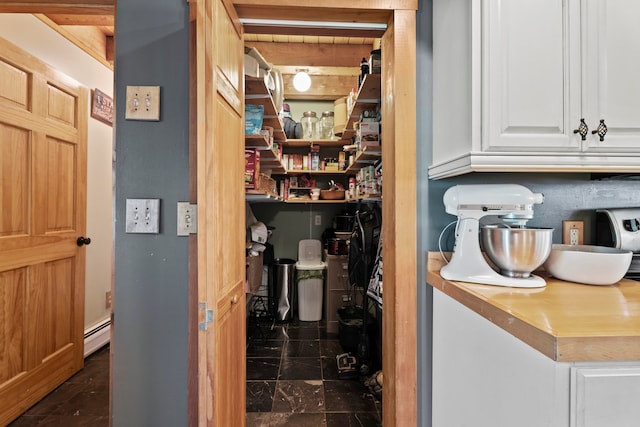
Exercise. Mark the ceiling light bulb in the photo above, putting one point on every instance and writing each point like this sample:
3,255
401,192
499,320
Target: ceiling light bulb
302,81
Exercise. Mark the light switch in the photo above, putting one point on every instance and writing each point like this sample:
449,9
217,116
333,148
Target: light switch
143,216
143,103
187,218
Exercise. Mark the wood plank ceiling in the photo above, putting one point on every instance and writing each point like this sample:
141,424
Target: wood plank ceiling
331,56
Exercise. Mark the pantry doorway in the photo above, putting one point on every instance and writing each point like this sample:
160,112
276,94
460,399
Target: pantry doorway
217,99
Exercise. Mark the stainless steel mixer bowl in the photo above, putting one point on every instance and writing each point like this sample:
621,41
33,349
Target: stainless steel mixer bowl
516,251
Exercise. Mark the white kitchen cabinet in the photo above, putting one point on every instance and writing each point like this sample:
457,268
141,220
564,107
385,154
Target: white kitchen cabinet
513,78
498,380
605,396
611,89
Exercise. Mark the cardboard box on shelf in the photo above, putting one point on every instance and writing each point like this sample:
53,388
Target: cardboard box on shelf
251,168
369,131
295,162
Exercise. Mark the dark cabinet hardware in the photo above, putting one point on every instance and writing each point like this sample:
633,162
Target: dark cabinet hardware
582,130
601,130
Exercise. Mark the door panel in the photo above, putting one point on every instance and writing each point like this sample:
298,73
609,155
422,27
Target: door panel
612,88
220,195
43,131
14,168
531,75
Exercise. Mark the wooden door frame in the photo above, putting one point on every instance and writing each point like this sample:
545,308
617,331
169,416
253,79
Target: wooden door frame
399,228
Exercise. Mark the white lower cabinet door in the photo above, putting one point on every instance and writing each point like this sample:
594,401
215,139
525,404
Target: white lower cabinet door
605,397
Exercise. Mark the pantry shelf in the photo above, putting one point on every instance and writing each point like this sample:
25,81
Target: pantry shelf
260,196
311,142
376,197
257,93
368,98
366,157
312,172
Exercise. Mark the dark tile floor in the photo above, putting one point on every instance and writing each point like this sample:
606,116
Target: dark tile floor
292,380
82,400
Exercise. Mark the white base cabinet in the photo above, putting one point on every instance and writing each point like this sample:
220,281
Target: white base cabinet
605,396
514,78
485,377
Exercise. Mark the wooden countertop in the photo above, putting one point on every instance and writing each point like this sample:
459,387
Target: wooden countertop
567,322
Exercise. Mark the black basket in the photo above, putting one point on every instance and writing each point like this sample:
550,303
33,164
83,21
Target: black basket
350,327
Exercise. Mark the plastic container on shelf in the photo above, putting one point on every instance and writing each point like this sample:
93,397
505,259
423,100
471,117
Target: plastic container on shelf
310,125
340,114
310,272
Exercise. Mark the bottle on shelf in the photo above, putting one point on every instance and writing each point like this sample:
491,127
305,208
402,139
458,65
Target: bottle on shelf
315,158
364,70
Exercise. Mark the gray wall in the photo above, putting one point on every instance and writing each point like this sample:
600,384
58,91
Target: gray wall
294,222
566,196
423,155
151,271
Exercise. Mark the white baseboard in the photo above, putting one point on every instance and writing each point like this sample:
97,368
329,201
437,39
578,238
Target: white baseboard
97,336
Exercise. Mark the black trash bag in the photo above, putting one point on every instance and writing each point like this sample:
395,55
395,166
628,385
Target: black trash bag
363,245
292,129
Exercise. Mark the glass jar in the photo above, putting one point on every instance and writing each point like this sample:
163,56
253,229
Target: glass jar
326,125
309,125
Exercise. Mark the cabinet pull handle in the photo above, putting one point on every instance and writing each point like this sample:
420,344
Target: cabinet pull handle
582,130
234,300
601,130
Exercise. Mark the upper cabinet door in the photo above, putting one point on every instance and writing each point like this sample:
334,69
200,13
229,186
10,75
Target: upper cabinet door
531,75
611,40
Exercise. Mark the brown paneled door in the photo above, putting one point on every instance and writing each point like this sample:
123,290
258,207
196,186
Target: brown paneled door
219,99
43,132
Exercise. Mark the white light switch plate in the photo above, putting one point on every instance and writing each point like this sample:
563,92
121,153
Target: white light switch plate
143,216
143,103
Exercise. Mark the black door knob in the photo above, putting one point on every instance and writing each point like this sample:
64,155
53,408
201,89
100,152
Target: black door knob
83,241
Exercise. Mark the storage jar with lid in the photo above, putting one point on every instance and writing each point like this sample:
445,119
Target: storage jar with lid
310,128
326,125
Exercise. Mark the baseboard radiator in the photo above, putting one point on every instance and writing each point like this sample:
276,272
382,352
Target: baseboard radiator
97,336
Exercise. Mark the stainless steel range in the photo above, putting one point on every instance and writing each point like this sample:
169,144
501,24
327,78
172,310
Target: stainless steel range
620,228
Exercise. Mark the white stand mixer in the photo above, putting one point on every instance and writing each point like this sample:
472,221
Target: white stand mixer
512,203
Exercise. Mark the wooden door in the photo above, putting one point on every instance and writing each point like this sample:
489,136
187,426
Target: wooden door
43,132
219,55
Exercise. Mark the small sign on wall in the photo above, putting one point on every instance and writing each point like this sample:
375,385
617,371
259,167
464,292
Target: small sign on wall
101,107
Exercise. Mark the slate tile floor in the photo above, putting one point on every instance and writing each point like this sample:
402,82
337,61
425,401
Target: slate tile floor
82,400
292,380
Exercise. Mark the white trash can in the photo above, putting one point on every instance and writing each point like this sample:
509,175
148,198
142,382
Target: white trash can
310,280
310,293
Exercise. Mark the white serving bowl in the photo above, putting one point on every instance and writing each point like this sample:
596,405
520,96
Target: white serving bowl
591,265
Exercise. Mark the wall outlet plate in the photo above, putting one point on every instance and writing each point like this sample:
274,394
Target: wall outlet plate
573,232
